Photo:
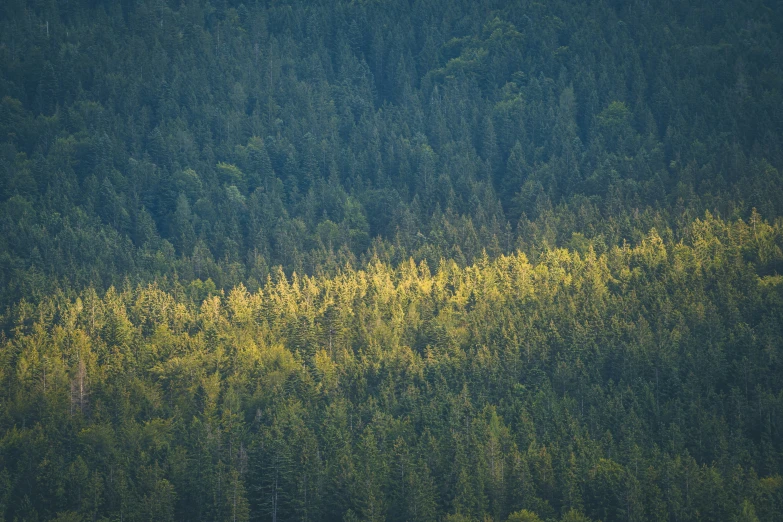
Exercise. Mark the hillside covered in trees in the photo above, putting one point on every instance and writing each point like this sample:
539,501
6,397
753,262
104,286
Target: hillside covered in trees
391,260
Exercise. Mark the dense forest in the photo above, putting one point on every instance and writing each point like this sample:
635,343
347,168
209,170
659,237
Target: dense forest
403,260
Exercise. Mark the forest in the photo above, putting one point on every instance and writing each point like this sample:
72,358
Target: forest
404,260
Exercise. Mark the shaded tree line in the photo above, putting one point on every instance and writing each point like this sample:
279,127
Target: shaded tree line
146,140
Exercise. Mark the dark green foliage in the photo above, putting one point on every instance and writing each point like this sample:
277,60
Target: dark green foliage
436,131
269,260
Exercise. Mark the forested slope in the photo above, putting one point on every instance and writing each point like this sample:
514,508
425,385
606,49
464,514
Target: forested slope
640,384
391,260
146,139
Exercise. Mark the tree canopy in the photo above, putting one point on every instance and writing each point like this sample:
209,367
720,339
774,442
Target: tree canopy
398,260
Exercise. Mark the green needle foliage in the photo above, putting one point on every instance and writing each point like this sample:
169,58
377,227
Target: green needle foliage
391,260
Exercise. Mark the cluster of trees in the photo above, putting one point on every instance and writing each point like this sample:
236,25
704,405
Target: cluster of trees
399,259
642,383
192,139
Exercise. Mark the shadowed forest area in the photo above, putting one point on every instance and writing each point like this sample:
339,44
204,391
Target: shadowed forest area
391,260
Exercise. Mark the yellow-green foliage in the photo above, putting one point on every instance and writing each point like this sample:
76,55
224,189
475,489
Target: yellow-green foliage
541,388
